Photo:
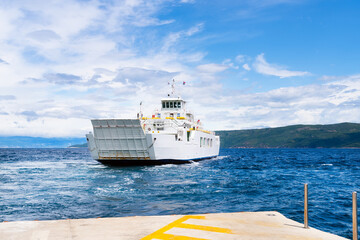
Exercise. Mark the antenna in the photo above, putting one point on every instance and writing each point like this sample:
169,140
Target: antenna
173,91
173,87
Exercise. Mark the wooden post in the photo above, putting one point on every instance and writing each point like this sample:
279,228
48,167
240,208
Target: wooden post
306,216
354,216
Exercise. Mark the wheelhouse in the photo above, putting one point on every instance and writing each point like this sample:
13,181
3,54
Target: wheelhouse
172,104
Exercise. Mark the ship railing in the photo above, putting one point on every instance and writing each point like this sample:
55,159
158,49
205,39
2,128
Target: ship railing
167,123
173,124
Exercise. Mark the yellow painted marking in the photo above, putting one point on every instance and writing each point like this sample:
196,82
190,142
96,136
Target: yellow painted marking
160,234
209,132
168,227
166,236
204,228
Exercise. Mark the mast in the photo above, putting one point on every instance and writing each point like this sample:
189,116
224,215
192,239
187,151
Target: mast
173,88
140,114
173,92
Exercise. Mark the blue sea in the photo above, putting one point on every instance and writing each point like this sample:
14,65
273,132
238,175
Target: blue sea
44,184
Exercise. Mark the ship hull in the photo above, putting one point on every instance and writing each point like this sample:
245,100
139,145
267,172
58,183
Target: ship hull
124,163
123,142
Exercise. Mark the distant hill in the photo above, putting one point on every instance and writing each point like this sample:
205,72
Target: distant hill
342,135
38,142
79,145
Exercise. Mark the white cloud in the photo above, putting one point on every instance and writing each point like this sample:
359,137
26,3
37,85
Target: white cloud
7,97
228,62
212,68
154,77
331,78
246,67
240,58
311,104
43,35
81,60
261,66
3,61
172,38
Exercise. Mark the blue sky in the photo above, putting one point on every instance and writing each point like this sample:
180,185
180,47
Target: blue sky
247,64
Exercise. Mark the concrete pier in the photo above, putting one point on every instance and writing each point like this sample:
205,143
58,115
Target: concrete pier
218,226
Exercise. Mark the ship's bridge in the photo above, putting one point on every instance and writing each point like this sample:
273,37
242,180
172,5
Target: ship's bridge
175,108
169,104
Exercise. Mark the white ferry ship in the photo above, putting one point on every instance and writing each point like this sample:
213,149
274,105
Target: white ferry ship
171,135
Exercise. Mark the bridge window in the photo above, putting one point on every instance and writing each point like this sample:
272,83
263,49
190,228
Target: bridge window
171,104
201,139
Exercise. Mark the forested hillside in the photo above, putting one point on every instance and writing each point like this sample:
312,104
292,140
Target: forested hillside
342,135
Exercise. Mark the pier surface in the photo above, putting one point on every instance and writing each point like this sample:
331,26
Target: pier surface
217,226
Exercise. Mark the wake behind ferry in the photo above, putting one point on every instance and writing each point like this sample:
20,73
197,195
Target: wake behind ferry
171,135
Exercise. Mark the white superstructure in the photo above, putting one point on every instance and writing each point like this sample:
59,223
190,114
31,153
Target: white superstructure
171,135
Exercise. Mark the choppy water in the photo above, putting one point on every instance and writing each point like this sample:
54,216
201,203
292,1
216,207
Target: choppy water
47,184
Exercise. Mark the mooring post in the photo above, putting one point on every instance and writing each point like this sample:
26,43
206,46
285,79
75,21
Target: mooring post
354,216
306,220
